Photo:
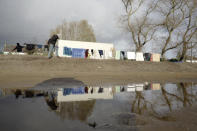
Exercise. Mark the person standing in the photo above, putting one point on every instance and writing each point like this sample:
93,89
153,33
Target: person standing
18,48
51,42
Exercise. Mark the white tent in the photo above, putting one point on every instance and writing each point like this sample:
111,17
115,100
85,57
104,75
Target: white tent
106,48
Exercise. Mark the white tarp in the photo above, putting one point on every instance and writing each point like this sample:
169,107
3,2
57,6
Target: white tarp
193,61
131,55
117,55
14,53
156,57
6,53
139,88
139,56
131,89
156,86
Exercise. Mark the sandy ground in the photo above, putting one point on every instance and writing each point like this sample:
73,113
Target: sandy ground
27,71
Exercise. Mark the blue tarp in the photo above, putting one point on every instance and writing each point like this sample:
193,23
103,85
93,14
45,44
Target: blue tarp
67,51
68,91
39,46
79,90
78,53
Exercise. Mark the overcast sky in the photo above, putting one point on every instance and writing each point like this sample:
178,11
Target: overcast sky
31,20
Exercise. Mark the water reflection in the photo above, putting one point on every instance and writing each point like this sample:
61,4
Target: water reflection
167,98
101,103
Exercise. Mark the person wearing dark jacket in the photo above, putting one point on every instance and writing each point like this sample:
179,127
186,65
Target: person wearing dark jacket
18,48
51,42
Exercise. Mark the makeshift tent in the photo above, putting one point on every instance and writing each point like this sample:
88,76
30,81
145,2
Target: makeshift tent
103,48
79,94
131,55
139,56
156,57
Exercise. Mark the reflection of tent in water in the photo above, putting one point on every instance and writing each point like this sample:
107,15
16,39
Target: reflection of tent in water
79,110
84,94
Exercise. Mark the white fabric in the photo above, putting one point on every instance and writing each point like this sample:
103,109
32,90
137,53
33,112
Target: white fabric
139,88
110,53
131,55
130,89
156,86
156,57
139,56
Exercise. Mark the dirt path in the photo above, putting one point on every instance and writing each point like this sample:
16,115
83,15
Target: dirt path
27,71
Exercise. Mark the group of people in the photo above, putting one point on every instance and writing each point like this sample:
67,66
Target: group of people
51,45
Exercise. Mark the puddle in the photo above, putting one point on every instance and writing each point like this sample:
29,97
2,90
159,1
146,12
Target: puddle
68,104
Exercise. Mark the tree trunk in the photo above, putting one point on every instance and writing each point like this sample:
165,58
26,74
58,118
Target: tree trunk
183,53
139,49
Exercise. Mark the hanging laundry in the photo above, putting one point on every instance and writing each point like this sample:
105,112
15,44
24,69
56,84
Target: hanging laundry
100,90
117,55
122,89
147,56
79,90
131,55
92,91
67,91
86,53
156,57
78,53
96,54
110,54
139,56
101,53
86,90
123,55
92,51
117,89
156,86
67,51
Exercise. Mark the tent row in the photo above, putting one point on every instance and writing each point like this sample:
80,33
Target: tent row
137,56
86,53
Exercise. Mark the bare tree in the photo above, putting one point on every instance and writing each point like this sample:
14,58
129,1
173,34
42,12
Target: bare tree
80,31
179,23
188,36
138,21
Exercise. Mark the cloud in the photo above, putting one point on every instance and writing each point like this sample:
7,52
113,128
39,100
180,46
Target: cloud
24,21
